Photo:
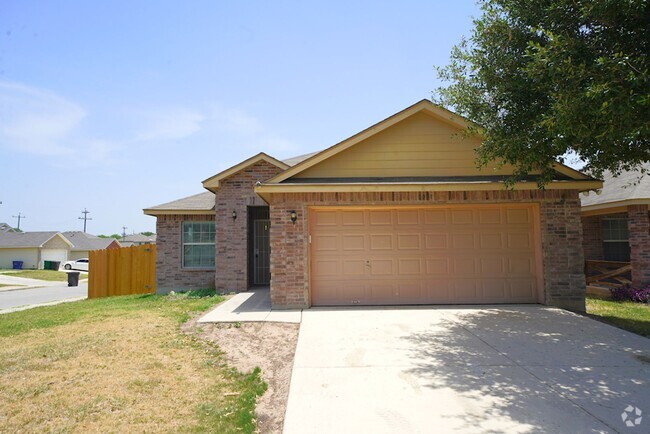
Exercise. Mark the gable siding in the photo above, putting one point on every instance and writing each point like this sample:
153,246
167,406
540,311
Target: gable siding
420,145
56,243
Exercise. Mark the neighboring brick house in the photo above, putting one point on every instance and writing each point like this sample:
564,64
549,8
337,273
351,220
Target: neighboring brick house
83,243
616,223
396,214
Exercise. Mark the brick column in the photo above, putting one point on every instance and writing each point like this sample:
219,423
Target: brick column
639,228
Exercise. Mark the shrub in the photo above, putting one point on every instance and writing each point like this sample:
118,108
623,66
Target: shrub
628,293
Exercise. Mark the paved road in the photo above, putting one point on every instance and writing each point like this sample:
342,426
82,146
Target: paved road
48,294
465,370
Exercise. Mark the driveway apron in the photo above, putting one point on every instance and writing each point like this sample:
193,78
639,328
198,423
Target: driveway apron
508,369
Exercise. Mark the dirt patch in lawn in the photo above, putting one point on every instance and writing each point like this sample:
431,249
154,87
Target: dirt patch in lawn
270,346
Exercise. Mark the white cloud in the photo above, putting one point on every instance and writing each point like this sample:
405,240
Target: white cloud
165,124
36,121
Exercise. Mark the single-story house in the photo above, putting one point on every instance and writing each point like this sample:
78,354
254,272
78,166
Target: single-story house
396,214
83,242
616,224
32,248
137,240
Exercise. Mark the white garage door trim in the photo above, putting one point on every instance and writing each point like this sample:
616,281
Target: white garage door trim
423,287
60,255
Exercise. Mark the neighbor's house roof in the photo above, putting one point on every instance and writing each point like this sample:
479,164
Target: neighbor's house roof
83,241
629,188
12,240
139,238
202,203
4,227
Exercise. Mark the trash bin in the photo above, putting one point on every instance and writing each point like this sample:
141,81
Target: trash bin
18,265
73,278
55,265
47,265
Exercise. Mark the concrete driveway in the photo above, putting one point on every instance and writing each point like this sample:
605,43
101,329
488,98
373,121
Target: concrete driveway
514,369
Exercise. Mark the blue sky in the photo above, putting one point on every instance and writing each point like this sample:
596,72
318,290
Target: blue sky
117,106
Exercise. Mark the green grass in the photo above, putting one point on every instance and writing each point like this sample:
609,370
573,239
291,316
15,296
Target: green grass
634,317
50,275
230,405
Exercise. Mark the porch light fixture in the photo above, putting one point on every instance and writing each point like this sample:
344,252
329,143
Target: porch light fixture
234,215
293,216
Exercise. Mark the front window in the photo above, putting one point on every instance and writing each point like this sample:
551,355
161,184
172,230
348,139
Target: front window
198,244
616,240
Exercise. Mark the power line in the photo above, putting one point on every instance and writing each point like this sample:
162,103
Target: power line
85,212
19,217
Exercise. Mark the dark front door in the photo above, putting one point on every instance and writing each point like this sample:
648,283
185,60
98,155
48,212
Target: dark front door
261,252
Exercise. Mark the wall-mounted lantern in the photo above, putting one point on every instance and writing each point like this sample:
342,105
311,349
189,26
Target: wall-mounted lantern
234,215
293,216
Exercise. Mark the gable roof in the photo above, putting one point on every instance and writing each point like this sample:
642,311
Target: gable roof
28,239
629,188
202,203
83,241
139,238
4,227
212,183
283,182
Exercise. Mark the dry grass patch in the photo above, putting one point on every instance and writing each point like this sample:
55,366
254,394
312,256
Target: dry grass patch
128,370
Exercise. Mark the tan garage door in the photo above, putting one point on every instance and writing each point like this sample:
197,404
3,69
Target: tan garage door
454,254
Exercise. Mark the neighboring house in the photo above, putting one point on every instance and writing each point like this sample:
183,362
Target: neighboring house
4,227
137,240
82,243
396,214
616,223
33,248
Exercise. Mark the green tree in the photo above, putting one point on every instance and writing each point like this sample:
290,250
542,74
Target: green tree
147,234
541,79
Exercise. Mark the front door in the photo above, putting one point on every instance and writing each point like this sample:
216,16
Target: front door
261,252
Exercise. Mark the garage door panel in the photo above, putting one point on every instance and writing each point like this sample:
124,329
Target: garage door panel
436,241
445,254
354,242
409,241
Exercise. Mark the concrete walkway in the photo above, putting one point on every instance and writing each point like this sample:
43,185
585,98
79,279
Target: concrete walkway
508,369
251,306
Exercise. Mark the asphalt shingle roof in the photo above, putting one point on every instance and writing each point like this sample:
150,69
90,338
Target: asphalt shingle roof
197,202
83,241
24,239
627,186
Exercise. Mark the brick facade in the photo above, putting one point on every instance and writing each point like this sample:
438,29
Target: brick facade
639,227
170,274
592,238
560,227
236,193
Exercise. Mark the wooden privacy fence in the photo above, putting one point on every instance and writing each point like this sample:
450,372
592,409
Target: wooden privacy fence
123,271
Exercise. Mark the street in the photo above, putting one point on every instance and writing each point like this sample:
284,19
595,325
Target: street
10,300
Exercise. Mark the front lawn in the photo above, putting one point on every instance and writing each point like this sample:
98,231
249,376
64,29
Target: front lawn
119,364
634,317
51,275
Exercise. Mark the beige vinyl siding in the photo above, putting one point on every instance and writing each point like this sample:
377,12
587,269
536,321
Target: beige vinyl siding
79,254
418,146
28,255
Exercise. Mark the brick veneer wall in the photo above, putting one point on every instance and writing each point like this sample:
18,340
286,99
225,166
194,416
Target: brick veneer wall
560,227
639,228
170,274
236,193
592,238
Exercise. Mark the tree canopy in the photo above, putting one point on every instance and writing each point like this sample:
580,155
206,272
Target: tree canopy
543,78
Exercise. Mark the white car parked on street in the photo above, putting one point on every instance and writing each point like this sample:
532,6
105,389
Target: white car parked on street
79,264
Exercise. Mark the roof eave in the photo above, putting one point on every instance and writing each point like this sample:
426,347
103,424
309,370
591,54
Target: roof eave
266,190
157,212
212,183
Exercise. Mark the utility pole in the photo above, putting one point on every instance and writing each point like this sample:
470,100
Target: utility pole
124,228
19,217
85,212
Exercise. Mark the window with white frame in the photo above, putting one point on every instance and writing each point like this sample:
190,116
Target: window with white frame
616,239
198,244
